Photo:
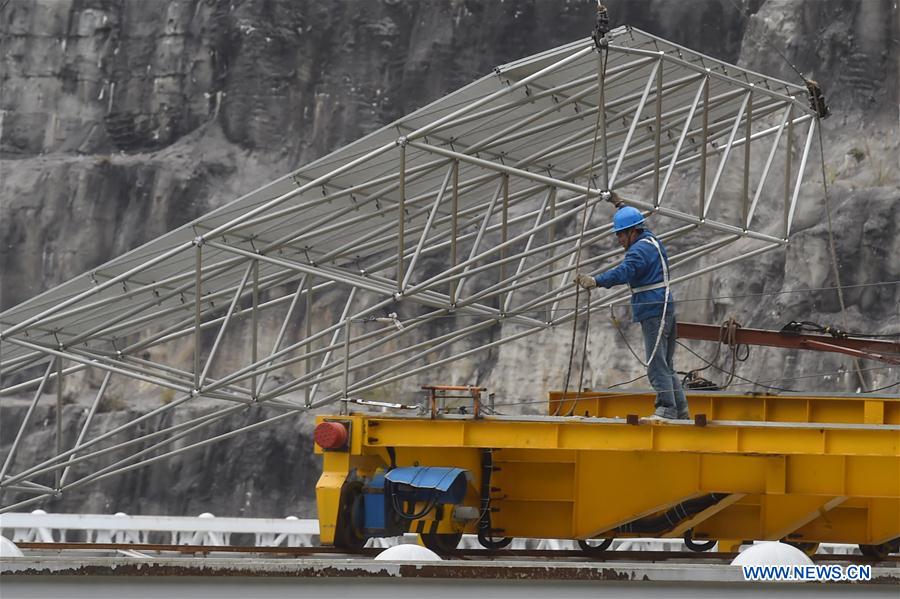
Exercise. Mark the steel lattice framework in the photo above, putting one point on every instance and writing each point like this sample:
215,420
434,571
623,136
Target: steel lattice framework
469,211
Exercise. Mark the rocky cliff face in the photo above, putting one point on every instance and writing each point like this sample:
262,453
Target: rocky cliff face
122,119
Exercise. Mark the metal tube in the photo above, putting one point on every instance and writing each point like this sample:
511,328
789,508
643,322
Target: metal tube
560,292
198,338
186,326
572,148
528,243
787,172
768,165
30,384
138,290
434,208
657,131
501,108
478,238
97,362
84,428
315,183
345,315
441,362
401,217
33,470
724,158
199,444
215,346
328,224
601,107
426,129
328,273
59,413
714,74
51,465
504,237
522,236
745,187
648,171
564,184
114,468
15,444
448,339
89,292
566,144
107,327
454,227
802,167
702,186
308,326
247,370
254,349
25,503
684,132
390,178
347,324
551,238
313,377
499,139
634,121
551,125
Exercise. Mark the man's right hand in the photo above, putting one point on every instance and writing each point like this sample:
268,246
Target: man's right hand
586,281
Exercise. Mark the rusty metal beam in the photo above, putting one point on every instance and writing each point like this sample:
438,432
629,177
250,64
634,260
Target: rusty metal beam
871,349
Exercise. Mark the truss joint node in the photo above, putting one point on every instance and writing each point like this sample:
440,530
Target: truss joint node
198,240
402,141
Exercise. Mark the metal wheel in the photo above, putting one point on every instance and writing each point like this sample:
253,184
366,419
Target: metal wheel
493,543
589,549
698,547
809,548
880,551
441,544
348,533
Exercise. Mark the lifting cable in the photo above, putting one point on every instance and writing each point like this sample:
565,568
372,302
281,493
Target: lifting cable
602,44
831,246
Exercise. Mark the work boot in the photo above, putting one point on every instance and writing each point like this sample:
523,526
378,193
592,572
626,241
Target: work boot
656,418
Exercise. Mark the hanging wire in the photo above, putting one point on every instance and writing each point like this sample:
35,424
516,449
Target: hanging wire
604,57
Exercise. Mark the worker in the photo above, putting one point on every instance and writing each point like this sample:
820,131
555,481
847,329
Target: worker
646,270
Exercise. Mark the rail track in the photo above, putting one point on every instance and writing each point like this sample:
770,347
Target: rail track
462,554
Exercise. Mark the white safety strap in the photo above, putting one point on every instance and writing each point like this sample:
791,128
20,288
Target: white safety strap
664,284
642,288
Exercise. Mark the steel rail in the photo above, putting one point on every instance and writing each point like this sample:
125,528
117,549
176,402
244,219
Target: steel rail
460,554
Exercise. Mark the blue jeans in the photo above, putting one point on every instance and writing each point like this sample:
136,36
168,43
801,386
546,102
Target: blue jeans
670,401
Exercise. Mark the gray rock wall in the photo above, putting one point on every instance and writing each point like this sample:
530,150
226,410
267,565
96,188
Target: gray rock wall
122,119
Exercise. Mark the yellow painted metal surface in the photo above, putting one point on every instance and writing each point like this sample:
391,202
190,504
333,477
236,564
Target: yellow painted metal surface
732,406
811,469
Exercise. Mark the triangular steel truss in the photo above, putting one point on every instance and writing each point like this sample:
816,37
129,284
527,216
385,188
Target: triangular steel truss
467,212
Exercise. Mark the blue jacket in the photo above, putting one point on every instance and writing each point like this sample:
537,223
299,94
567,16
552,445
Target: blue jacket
641,267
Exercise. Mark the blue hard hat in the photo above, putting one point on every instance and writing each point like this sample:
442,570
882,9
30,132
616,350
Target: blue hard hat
627,217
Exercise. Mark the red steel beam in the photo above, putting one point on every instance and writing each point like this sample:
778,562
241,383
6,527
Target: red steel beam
871,349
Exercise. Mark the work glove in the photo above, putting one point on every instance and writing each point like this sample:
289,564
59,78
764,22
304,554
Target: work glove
586,281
